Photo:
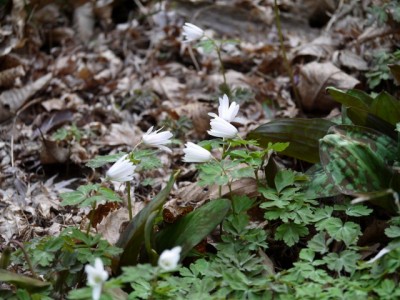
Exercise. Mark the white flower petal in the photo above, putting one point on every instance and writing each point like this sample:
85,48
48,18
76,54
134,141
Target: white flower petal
226,111
379,255
192,33
96,276
196,153
157,139
221,128
169,259
122,170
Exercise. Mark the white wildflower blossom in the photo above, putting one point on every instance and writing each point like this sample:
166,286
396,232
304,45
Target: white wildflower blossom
122,170
96,276
196,153
222,128
226,111
157,139
192,33
169,259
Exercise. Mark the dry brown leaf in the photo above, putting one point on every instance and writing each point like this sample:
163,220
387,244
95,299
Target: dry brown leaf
12,100
8,77
168,86
349,59
84,21
52,153
123,134
313,80
244,186
321,47
198,113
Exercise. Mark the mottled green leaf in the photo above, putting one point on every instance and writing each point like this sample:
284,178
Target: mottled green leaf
352,166
302,134
102,160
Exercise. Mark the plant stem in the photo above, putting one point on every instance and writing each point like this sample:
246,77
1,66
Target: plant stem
285,60
225,87
27,258
128,187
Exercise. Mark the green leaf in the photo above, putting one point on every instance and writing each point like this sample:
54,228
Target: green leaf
387,108
283,179
21,281
102,160
189,230
302,134
318,243
290,233
393,232
347,260
132,238
242,173
352,165
347,232
358,210
347,99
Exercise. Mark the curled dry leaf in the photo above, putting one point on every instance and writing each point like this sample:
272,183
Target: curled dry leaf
245,186
321,47
349,59
123,134
8,76
84,21
313,80
12,100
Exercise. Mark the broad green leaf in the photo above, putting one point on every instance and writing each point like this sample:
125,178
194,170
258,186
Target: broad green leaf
387,108
290,233
21,281
188,231
364,118
347,232
347,99
132,238
302,134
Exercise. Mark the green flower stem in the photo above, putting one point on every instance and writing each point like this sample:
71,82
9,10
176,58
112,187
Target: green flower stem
285,60
128,188
225,87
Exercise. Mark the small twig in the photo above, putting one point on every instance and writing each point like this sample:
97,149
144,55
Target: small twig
384,33
285,60
193,57
128,188
28,260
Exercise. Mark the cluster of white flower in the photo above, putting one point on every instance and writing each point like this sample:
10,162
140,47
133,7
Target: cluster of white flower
220,127
123,169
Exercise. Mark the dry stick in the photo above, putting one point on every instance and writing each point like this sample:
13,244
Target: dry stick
285,60
28,260
388,31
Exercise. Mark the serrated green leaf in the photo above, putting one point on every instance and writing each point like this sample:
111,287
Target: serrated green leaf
393,231
242,173
290,233
283,179
346,260
318,243
358,210
302,134
347,232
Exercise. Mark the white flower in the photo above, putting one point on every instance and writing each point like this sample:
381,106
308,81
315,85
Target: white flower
122,170
96,276
169,258
196,153
379,255
226,111
192,32
221,128
157,139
